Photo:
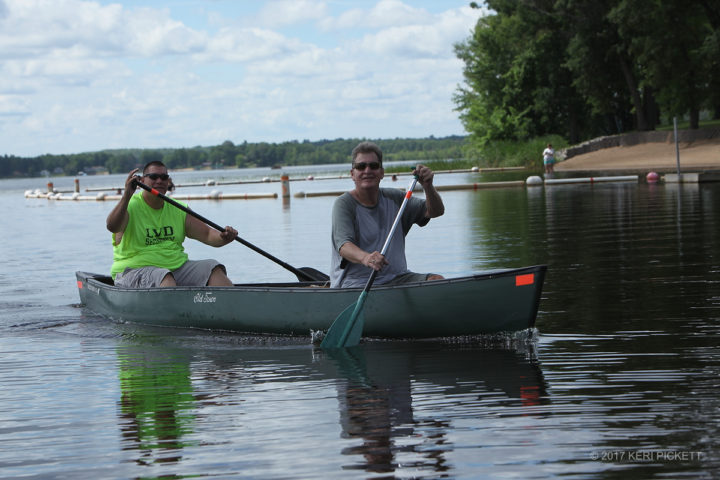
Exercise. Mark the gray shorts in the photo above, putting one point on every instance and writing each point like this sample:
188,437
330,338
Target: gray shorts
409,277
192,273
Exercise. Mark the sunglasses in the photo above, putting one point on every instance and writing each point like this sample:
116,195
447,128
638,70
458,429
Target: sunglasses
363,165
155,176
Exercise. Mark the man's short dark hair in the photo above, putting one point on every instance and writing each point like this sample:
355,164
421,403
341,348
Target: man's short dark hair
367,147
154,163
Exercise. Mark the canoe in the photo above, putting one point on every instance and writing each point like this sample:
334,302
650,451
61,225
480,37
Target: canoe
504,300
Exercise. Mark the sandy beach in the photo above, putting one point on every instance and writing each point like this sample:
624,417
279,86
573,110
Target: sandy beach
697,156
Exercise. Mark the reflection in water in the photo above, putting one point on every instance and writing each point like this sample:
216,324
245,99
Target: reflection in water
372,411
388,394
381,386
156,403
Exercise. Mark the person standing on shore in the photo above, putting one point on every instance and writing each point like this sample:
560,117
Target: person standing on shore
549,158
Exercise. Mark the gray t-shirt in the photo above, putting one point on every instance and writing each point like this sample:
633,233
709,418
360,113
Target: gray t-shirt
368,227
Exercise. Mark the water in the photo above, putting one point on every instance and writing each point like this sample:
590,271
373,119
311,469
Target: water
620,379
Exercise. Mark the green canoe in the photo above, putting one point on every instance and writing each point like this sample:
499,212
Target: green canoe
490,302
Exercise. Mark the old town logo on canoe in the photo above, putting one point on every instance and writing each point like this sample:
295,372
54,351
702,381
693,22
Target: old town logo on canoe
204,298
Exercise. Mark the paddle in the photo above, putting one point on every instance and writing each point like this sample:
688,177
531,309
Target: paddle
303,274
346,330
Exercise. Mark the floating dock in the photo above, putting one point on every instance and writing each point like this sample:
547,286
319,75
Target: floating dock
532,181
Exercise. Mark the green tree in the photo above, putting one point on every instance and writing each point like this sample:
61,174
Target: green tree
579,68
517,85
603,70
668,39
177,159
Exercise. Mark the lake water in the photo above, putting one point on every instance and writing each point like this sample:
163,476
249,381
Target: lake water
620,379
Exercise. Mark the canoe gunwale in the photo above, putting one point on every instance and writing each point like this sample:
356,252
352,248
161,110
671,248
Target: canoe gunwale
104,281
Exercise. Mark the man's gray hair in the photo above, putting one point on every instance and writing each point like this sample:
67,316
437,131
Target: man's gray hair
367,147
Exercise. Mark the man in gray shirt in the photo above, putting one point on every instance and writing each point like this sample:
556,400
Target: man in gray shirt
362,219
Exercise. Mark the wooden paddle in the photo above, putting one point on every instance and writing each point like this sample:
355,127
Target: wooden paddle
306,274
346,330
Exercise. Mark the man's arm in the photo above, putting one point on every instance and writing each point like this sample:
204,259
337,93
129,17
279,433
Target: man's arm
433,202
200,231
118,217
352,253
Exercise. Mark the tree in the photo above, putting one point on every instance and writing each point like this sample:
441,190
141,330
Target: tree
517,84
579,68
668,39
602,69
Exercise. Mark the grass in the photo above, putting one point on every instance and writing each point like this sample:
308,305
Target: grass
497,154
685,124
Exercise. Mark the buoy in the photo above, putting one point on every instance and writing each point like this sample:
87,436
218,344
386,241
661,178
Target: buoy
534,181
652,177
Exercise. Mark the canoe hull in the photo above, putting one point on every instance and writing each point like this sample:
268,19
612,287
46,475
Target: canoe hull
491,302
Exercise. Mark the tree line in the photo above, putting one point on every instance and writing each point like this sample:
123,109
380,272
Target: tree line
229,155
587,68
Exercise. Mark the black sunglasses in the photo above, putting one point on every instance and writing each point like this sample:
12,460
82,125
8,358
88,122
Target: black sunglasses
363,165
155,176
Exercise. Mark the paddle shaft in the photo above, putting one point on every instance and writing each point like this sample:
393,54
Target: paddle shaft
398,217
361,300
299,273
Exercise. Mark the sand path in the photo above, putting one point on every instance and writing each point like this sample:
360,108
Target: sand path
660,157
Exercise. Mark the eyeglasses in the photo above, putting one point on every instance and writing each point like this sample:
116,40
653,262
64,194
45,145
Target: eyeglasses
363,165
155,176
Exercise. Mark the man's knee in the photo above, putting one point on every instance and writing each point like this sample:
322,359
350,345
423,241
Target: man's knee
168,281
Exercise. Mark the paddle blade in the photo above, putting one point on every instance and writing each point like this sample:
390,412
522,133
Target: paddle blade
347,328
309,273
356,331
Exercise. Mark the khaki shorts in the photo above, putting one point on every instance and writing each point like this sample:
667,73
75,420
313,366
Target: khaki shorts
409,277
193,273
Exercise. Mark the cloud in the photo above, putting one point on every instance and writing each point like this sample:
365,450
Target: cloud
12,106
290,12
384,14
43,27
80,75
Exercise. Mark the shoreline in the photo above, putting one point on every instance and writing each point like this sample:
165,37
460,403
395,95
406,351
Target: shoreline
661,157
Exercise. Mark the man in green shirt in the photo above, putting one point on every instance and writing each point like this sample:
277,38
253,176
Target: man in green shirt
148,238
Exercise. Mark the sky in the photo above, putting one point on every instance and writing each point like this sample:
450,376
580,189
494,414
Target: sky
81,76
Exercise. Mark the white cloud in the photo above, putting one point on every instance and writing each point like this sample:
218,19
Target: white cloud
289,12
384,14
84,75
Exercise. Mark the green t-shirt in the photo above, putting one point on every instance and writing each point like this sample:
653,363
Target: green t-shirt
152,238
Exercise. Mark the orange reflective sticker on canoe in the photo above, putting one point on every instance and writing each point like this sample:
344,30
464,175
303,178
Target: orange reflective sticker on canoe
79,284
527,279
